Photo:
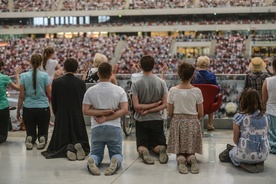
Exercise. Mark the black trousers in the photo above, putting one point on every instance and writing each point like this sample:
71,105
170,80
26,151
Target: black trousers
4,124
36,118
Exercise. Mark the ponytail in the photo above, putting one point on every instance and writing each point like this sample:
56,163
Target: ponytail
46,56
36,60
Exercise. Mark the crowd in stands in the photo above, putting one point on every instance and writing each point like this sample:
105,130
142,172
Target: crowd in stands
87,5
4,5
160,4
18,51
229,3
35,5
69,5
158,47
229,56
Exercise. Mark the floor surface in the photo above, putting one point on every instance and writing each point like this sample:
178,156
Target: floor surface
19,166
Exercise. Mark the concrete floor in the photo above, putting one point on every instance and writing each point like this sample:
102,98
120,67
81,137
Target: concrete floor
18,166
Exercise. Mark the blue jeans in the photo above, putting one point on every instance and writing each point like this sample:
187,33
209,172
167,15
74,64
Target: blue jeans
110,136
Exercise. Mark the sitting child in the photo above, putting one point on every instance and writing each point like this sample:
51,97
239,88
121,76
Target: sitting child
250,133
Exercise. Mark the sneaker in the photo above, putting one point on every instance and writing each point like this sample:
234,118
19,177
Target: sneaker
182,166
80,152
112,168
146,156
92,168
194,165
163,156
71,155
42,143
28,143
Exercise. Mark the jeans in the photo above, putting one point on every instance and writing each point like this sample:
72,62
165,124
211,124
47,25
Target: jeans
110,136
36,117
4,124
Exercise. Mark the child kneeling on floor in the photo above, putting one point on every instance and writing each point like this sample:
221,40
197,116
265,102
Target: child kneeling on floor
185,107
250,133
106,103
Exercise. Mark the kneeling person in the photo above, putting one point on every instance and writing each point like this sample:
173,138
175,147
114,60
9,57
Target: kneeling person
106,103
149,98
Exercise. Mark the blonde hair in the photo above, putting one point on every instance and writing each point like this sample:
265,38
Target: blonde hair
98,59
203,62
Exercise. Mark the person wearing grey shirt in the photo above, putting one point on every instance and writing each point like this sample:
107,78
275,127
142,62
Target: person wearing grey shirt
149,99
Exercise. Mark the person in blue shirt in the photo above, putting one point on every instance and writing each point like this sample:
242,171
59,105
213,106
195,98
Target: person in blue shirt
4,103
203,76
36,112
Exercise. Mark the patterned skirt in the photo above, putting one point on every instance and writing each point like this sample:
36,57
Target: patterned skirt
185,135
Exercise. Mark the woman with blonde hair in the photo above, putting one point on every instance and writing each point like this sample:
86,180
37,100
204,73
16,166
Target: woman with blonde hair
203,76
36,112
91,76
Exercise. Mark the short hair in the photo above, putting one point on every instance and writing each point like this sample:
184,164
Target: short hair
71,65
203,62
185,71
98,59
147,63
250,102
1,64
105,70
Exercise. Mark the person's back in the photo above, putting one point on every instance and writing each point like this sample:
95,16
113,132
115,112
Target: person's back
50,68
103,96
204,77
253,144
39,99
70,91
185,100
149,89
255,80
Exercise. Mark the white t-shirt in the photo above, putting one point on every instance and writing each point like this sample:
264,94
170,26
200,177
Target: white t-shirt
50,68
185,100
271,102
105,96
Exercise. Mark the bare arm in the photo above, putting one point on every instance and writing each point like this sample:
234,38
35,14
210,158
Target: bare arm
17,85
170,110
236,133
264,93
160,107
139,106
84,75
89,111
119,113
267,62
21,98
200,110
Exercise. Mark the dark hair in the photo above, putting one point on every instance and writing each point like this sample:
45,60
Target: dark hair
185,71
46,55
105,70
250,102
147,63
71,65
36,60
1,64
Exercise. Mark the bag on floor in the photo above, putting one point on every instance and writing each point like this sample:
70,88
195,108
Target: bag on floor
224,156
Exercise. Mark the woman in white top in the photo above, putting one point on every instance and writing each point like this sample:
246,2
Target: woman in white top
185,107
50,66
269,101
